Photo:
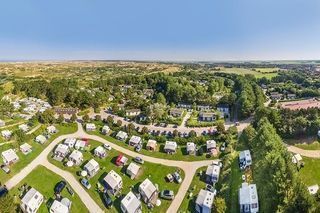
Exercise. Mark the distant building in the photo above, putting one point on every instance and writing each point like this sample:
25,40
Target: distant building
25,148
70,142
133,170
61,151
76,157
248,198
6,134
148,191
9,157
191,148
133,112
122,136
65,111
92,167
130,204
58,207
100,152
204,201
212,173
224,109
52,129
245,159
2,123
105,129
151,145
113,182
275,96
90,127
24,127
170,147
207,116
135,140
176,112
41,139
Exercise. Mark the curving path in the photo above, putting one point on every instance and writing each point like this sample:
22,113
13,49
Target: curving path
304,152
189,169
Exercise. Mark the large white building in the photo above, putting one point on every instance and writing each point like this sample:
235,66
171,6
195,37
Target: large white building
248,198
9,157
204,201
130,204
31,201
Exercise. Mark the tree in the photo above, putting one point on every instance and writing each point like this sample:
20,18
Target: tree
220,127
175,133
160,99
86,118
119,123
60,119
73,118
192,134
7,204
130,128
110,120
47,116
20,136
219,205
6,108
144,130
98,117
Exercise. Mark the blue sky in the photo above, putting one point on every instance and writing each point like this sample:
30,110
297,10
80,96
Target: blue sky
160,30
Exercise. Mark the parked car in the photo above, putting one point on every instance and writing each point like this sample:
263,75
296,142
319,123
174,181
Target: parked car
5,168
177,177
138,160
70,191
169,178
85,183
175,126
59,187
3,191
211,188
107,146
138,148
223,147
167,194
107,200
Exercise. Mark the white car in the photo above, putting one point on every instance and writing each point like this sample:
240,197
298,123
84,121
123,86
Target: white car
107,146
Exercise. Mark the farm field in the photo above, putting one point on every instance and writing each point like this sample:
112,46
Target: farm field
263,72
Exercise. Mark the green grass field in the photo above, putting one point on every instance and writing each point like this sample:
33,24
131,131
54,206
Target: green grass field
310,173
156,173
44,181
263,72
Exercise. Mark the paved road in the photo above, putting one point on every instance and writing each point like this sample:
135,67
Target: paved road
183,129
303,152
34,129
189,169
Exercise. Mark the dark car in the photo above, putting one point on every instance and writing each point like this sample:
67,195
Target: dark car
167,194
138,160
107,200
70,190
5,168
138,148
3,191
59,187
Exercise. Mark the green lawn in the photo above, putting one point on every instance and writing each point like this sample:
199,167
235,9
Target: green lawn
36,149
44,181
235,183
156,173
188,203
193,121
310,173
180,155
244,71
